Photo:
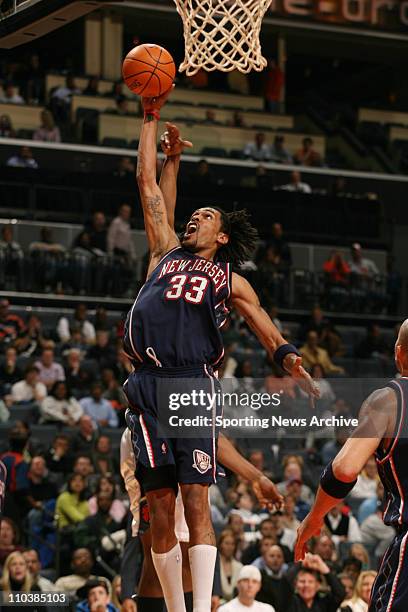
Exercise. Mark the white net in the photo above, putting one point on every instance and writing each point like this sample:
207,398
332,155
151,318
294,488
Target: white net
222,34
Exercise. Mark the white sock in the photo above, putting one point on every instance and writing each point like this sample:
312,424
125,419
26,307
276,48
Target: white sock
169,570
202,563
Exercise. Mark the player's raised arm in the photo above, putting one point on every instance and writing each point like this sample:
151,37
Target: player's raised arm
160,236
246,302
377,421
172,146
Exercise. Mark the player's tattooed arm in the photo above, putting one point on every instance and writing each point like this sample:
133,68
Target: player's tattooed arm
160,236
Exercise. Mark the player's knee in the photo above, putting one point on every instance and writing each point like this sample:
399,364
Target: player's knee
161,515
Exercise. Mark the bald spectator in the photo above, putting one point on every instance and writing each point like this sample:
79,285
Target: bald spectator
313,354
296,184
49,370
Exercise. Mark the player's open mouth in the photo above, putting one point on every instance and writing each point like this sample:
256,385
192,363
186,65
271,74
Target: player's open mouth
191,228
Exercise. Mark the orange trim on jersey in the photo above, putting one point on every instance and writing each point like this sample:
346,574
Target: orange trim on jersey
402,416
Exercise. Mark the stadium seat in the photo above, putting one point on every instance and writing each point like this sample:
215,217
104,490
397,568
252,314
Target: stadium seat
44,433
27,412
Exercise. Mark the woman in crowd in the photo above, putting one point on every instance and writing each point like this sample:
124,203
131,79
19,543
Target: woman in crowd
106,484
48,131
72,507
361,596
60,407
229,566
17,579
9,537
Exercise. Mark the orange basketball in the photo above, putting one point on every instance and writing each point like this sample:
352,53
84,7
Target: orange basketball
148,70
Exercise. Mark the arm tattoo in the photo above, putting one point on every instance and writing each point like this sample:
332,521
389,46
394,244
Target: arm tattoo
154,205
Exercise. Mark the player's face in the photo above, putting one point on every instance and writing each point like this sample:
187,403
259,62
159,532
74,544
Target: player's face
203,231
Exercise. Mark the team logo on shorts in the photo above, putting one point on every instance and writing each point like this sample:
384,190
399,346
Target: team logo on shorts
202,461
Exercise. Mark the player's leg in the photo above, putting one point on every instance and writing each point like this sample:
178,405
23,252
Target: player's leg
202,551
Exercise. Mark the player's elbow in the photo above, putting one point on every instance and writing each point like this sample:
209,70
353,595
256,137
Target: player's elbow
344,470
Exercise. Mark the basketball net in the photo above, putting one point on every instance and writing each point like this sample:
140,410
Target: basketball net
222,34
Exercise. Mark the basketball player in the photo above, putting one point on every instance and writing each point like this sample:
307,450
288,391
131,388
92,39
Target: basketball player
172,331
150,595
383,430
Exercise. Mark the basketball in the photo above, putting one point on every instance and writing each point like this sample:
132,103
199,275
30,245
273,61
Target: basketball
148,70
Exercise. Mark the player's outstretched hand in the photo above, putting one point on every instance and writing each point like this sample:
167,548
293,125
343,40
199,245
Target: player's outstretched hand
155,104
310,526
267,493
171,142
293,364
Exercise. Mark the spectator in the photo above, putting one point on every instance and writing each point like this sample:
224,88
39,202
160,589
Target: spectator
103,458
17,578
348,583
258,149
49,370
84,440
361,266
6,127
102,351
332,447
34,79
361,595
64,327
307,156
273,87
279,154
313,354
30,389
120,240
271,527
296,184
122,106
307,595
10,373
229,566
48,131
106,485
9,538
210,117
373,345
317,322
92,87
10,96
202,177
41,494
12,328
58,457
342,525
84,467
280,245
34,567
358,551
289,519
366,485
371,504
23,159
249,585
293,472
272,561
60,407
98,408
71,506
61,98
337,272
124,169
98,232
81,563
11,258
96,598
114,393
78,378
34,341
238,120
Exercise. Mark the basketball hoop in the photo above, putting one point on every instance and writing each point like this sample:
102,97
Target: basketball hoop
222,34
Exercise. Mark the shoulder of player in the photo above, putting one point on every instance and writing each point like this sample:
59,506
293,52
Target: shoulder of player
381,401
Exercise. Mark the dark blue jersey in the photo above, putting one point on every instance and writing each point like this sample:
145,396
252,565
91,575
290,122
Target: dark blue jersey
177,315
393,462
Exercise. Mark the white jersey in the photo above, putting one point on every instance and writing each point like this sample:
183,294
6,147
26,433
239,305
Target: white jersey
236,606
127,469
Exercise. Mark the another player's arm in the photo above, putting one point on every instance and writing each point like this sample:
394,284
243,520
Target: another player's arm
377,418
160,236
172,146
264,489
246,302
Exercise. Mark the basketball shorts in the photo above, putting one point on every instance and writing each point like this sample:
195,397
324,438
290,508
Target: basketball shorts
390,589
164,461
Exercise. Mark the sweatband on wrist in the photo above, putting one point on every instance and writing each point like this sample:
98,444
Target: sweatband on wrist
332,485
281,352
152,113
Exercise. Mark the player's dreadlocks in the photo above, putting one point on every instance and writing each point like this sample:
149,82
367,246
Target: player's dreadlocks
242,237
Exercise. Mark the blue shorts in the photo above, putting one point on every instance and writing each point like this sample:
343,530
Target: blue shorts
390,589
163,461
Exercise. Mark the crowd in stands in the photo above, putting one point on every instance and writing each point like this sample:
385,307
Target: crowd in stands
66,510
